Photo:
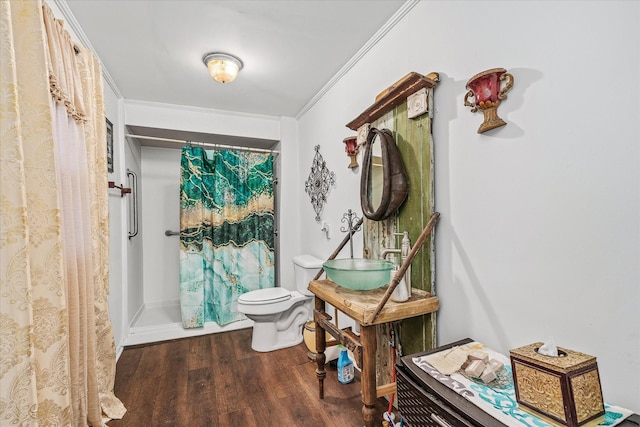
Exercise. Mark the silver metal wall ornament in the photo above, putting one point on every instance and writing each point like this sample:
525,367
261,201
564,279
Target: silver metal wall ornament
319,182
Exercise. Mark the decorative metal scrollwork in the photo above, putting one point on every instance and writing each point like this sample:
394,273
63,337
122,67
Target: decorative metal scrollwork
319,183
349,218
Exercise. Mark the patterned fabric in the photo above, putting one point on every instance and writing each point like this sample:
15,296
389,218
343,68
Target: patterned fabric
57,354
226,232
499,400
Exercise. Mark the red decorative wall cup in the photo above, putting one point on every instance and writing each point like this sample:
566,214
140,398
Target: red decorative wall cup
352,149
484,89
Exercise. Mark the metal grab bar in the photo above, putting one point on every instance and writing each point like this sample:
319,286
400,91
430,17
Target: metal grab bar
133,207
171,233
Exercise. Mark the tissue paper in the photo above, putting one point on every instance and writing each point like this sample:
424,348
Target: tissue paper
549,348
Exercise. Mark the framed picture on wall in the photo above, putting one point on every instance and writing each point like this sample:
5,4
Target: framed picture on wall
109,146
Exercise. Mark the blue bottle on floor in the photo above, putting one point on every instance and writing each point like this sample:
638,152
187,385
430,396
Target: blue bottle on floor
345,366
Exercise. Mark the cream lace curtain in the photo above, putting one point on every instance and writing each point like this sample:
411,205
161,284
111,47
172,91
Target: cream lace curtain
57,352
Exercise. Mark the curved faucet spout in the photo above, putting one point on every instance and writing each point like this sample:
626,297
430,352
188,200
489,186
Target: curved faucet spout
387,251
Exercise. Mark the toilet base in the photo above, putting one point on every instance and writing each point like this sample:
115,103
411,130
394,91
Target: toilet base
266,338
266,349
275,331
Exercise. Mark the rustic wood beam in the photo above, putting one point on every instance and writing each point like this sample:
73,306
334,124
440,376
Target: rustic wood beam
393,96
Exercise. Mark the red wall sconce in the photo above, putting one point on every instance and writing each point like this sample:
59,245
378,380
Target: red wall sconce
352,148
485,90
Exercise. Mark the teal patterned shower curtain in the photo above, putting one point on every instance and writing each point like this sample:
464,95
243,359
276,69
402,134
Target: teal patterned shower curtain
226,232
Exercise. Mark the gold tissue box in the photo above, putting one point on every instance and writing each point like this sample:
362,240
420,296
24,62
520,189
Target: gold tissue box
564,390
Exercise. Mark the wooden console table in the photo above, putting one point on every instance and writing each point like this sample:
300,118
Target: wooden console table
360,305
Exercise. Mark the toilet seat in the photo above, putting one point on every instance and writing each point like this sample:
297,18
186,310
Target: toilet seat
265,296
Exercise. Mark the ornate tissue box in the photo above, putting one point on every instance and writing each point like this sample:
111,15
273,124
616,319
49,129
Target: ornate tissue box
564,390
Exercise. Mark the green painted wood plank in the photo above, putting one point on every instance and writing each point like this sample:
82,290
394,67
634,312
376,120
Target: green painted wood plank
415,143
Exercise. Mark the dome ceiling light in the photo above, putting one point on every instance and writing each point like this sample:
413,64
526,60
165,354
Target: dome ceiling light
223,67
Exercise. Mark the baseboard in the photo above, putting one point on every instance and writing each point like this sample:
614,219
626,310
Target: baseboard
119,349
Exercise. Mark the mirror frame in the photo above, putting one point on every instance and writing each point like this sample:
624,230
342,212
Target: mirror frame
395,183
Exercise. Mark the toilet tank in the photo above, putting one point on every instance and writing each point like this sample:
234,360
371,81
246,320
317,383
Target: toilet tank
305,268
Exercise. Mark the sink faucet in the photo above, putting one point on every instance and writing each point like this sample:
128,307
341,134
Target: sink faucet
403,251
403,290
387,251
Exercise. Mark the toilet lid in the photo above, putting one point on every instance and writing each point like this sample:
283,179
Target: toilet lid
265,296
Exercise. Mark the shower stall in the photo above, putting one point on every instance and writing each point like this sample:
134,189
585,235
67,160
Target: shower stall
153,289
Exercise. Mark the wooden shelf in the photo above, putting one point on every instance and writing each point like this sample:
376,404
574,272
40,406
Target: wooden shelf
359,305
393,96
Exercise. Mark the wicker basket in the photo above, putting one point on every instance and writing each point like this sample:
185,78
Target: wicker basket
419,408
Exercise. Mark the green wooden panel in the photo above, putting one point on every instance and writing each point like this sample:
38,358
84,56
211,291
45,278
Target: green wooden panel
415,142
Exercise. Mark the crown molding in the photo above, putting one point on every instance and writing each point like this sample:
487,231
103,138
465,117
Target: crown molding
400,13
80,34
391,23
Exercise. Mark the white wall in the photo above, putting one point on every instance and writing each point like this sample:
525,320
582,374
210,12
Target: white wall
288,195
161,201
133,247
539,234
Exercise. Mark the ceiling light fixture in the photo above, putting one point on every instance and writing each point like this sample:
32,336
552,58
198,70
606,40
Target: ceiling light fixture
223,67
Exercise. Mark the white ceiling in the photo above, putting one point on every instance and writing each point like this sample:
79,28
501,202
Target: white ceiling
291,49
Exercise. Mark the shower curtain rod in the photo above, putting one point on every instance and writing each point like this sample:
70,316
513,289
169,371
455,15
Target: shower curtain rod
204,144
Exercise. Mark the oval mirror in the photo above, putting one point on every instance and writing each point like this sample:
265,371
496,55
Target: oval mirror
384,185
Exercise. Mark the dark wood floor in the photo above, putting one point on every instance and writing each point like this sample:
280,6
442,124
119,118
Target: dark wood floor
217,380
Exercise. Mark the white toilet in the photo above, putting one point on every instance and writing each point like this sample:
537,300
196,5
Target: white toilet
279,314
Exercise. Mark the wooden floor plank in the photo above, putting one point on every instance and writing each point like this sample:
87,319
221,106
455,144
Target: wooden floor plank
199,352
218,380
237,418
146,376
201,395
173,368
223,365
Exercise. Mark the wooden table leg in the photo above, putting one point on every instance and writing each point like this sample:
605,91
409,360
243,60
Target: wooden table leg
368,376
320,347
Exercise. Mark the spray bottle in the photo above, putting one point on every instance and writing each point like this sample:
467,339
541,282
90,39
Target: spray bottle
345,366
